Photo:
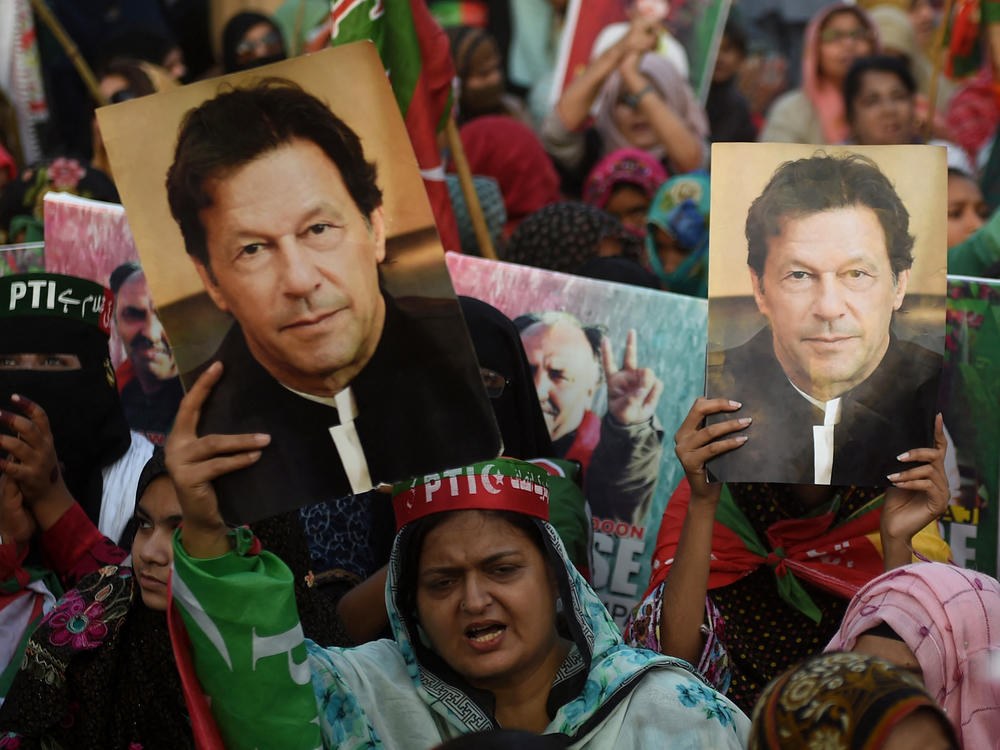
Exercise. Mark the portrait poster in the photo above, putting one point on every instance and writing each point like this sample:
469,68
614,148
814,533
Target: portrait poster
669,340
22,257
341,337
88,239
835,350
970,403
696,24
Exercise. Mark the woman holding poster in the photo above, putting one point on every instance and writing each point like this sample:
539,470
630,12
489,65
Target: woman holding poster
479,641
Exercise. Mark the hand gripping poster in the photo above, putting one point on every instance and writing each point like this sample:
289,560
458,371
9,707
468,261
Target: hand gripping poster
826,308
601,355
970,402
92,240
284,229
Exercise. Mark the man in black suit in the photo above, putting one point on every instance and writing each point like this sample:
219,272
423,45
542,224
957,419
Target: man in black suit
283,220
834,395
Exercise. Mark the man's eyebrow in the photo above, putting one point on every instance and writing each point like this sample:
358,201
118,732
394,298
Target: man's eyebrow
324,207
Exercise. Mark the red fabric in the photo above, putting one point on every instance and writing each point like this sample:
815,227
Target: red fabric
10,564
973,113
839,560
430,100
588,435
203,726
485,491
73,547
507,150
124,374
7,162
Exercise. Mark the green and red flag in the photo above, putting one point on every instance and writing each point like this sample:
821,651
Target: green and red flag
417,59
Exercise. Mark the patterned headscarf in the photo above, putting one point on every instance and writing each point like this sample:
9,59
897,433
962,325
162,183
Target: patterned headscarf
949,617
838,700
631,165
564,236
681,209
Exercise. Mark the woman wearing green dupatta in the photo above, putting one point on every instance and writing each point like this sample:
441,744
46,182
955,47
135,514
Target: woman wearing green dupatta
493,627
677,240
750,578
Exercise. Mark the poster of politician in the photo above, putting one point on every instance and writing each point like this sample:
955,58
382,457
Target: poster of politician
284,229
826,307
970,402
601,354
92,240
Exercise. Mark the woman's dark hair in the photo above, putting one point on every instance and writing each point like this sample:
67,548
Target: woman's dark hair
415,534
239,125
879,64
823,183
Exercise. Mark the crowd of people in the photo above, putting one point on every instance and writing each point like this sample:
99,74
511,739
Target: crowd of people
813,615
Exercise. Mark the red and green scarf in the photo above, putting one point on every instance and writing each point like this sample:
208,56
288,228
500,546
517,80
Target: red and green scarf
836,555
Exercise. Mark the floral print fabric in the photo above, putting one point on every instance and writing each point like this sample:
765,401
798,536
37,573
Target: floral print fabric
837,700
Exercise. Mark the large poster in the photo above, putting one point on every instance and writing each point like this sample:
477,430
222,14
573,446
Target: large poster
92,240
826,307
284,228
970,402
585,339
88,239
695,25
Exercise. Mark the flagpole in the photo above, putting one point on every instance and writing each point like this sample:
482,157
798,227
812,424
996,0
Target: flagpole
938,62
72,51
469,191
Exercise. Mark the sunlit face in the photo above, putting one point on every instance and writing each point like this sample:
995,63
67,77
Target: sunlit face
629,205
486,598
565,371
829,294
884,111
842,40
158,514
921,730
296,263
40,362
967,211
141,331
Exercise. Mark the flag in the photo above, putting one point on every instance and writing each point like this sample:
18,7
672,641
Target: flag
417,59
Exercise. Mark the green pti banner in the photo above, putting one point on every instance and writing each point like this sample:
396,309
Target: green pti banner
970,402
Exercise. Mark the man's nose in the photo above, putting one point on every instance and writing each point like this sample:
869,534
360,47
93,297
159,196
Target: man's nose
542,385
829,303
299,274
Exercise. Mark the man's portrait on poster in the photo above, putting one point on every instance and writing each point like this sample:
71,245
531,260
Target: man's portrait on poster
283,219
834,393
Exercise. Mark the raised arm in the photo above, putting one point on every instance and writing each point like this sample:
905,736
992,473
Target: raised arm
574,105
685,149
917,497
686,586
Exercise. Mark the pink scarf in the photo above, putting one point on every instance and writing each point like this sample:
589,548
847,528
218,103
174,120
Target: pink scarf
827,97
950,618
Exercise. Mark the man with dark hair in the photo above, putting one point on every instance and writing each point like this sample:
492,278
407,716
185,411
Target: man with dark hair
283,219
619,452
834,395
148,384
